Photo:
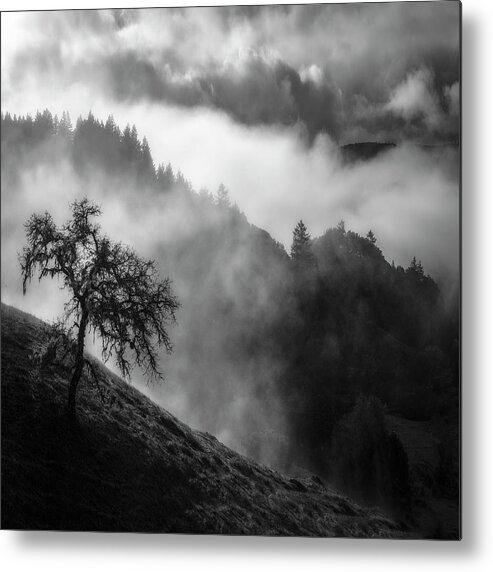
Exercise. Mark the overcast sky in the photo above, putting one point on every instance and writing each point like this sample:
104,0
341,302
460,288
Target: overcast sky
355,71
261,97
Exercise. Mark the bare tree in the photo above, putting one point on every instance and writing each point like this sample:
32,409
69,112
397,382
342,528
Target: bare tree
113,292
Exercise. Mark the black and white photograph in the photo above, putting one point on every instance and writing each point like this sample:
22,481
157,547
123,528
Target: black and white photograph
231,270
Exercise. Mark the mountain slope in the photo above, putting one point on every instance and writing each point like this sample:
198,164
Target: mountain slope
131,466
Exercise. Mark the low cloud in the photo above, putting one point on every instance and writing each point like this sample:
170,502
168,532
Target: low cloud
415,99
419,103
319,66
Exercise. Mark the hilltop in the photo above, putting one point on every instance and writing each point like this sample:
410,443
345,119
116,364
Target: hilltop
132,466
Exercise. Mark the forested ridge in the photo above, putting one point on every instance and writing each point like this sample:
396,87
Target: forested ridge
329,344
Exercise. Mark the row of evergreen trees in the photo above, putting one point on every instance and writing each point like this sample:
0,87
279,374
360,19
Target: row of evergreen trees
92,143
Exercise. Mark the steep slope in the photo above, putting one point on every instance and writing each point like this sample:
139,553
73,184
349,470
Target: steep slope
131,466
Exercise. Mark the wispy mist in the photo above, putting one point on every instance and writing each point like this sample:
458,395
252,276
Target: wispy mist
337,69
233,101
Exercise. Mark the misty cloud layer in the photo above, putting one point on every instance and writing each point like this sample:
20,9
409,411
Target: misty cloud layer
355,72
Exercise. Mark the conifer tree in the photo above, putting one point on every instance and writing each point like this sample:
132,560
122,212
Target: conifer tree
222,197
301,250
371,237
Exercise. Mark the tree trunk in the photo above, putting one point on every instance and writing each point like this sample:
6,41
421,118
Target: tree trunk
79,365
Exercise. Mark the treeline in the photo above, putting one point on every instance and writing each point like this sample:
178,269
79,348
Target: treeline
332,338
374,339
91,144
95,147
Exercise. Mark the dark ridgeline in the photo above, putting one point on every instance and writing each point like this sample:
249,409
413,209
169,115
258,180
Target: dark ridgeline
352,362
363,151
356,152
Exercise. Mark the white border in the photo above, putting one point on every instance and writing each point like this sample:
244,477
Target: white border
76,552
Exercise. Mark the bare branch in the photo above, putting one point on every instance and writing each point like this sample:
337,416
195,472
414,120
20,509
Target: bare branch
115,293
95,377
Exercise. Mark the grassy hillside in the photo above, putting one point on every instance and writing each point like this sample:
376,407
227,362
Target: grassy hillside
131,466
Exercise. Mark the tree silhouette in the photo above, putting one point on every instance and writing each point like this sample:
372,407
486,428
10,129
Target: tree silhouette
146,170
341,226
113,291
416,268
65,126
222,197
371,237
301,250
